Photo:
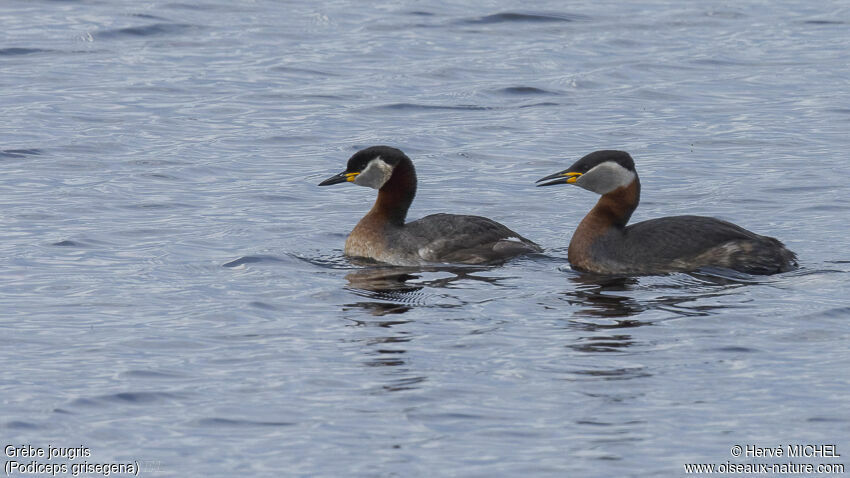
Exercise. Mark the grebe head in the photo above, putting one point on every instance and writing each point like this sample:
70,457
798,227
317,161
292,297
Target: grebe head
600,172
370,167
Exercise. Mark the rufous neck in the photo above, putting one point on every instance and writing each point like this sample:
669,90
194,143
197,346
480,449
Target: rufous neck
396,195
616,207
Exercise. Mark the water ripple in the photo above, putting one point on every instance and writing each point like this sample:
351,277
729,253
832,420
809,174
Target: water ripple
423,107
253,260
524,91
69,243
155,29
15,51
824,22
134,398
513,17
20,425
218,422
19,153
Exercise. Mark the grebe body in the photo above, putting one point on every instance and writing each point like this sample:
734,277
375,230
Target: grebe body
604,243
383,235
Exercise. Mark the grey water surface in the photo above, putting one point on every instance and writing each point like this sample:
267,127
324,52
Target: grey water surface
173,289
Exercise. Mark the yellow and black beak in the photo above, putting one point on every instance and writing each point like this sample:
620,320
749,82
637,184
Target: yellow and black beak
564,177
339,178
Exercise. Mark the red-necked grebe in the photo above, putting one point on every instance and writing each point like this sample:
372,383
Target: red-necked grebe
603,243
383,235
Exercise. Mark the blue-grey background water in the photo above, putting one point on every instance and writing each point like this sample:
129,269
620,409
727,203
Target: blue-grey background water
173,288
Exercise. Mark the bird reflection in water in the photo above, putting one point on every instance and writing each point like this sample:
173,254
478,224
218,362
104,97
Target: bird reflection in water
613,297
594,294
610,303
391,291
396,290
387,352
597,295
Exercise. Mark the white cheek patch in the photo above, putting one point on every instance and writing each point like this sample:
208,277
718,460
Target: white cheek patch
375,174
605,177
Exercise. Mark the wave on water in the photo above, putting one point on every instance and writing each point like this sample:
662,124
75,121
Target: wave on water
421,107
146,31
524,91
253,260
136,398
15,51
506,17
19,153
326,261
218,422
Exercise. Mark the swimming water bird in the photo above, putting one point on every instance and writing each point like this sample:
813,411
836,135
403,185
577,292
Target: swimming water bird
383,235
604,244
